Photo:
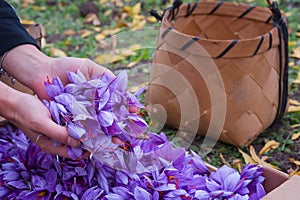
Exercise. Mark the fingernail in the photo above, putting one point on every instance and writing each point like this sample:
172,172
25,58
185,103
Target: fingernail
72,142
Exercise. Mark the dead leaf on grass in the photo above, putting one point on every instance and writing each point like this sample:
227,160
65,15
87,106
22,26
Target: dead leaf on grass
268,146
85,33
256,158
27,22
57,52
247,158
223,160
295,136
69,32
294,109
296,162
296,53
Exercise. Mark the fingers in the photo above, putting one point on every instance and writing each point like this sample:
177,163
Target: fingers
93,69
58,133
46,145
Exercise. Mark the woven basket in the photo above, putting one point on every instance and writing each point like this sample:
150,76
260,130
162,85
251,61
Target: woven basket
247,44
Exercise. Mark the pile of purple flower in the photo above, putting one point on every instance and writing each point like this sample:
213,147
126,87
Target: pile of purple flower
142,167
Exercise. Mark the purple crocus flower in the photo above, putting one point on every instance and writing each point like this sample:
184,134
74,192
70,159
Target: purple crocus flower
54,88
141,166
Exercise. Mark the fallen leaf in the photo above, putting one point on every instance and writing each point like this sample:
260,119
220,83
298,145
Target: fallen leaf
108,12
108,58
97,29
292,43
108,32
246,157
69,32
99,37
296,53
237,164
57,52
151,19
127,9
131,64
39,8
85,33
103,1
26,21
255,157
136,9
253,154
296,162
295,136
223,160
295,125
268,146
103,58
294,102
294,172
294,109
135,47
25,3
92,18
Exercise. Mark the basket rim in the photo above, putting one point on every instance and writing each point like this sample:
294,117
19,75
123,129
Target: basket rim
258,44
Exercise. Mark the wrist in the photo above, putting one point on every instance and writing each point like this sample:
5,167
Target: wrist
27,64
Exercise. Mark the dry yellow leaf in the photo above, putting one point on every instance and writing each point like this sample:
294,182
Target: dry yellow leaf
253,154
108,12
268,146
69,32
26,21
237,164
131,64
297,34
127,9
104,58
292,43
103,1
57,52
294,172
110,31
295,136
85,33
255,157
25,3
223,160
136,9
151,19
295,126
39,8
135,47
99,37
296,53
108,58
138,24
296,162
294,109
294,102
246,157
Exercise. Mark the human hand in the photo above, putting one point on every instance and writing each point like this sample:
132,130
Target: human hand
30,115
32,68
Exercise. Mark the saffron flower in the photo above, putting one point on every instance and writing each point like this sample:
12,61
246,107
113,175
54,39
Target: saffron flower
145,166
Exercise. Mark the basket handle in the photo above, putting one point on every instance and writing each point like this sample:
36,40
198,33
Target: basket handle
269,2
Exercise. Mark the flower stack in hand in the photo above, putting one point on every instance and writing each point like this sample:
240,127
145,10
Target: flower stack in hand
141,165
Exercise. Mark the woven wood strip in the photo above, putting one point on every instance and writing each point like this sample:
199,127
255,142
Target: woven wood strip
249,69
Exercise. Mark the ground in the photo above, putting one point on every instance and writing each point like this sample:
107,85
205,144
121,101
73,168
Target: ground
84,29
